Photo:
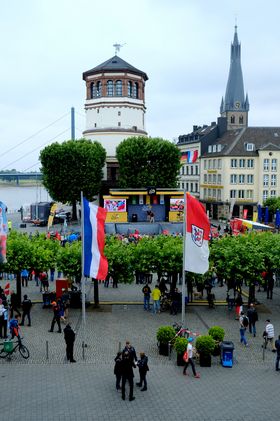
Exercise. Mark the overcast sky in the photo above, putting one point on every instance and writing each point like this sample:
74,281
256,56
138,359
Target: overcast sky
182,45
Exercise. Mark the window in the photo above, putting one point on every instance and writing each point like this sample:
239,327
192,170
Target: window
119,113
241,119
187,186
241,179
250,179
214,193
249,147
214,178
273,193
273,180
214,148
232,194
98,89
209,178
94,124
196,170
214,163
250,163
265,180
191,187
92,90
219,195
183,185
232,119
97,110
219,163
205,178
209,193
196,187
233,163
219,178
110,88
129,89
241,194
119,124
118,88
187,170
219,148
191,168
249,194
135,90
209,148
204,193
241,163
274,165
266,164
210,164
182,170
265,195
233,179
205,164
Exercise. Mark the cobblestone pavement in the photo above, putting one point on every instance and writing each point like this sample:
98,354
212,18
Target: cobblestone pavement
41,389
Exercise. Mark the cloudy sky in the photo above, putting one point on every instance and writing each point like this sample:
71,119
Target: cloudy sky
182,45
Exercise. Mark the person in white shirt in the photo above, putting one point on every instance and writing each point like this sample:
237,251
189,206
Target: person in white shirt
269,334
190,359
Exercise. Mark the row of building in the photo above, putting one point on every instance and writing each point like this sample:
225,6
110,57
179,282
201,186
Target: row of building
228,165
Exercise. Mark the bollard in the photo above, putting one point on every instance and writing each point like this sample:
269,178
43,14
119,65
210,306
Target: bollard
83,353
120,346
47,350
169,350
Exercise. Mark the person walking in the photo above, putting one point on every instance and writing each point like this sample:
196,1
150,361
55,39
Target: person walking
253,318
243,321
190,352
269,334
24,277
14,305
127,374
146,290
143,369
26,308
56,317
156,299
69,337
277,346
118,370
238,306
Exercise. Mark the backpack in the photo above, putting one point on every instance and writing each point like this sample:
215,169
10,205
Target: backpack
245,321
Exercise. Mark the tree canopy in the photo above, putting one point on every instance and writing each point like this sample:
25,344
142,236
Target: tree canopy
273,204
148,161
72,167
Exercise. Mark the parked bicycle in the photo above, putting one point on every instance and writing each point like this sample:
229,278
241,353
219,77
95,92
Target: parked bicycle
165,303
9,348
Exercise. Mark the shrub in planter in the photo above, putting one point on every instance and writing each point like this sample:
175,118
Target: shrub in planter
164,335
180,346
218,335
205,346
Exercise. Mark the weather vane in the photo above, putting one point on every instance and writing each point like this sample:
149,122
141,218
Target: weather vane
118,47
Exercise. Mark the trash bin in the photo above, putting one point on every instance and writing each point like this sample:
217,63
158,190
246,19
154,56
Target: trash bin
227,348
134,217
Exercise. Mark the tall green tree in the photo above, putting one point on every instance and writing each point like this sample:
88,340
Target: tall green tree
72,167
148,161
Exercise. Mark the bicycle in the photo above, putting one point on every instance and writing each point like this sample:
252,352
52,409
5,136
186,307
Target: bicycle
182,333
8,349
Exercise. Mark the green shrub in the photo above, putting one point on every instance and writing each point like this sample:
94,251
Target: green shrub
205,344
165,334
180,345
217,333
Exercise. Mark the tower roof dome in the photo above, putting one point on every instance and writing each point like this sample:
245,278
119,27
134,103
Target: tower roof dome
115,64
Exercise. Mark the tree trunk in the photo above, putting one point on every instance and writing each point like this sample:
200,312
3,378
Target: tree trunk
96,293
18,289
252,296
74,210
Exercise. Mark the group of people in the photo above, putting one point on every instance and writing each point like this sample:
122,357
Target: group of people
125,362
157,293
7,310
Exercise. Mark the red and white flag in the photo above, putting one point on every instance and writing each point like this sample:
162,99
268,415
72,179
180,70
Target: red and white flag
7,289
197,237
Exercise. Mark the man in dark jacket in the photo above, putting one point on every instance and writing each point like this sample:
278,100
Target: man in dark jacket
56,317
14,305
253,318
131,351
147,294
277,346
143,368
127,374
69,336
269,284
26,308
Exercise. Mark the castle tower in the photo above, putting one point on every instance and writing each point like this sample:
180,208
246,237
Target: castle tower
115,103
235,106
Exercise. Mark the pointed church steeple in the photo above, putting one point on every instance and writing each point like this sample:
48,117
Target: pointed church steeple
235,106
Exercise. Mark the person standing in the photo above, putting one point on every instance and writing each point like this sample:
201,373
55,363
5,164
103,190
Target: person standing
243,321
156,299
56,317
277,346
269,333
69,337
127,375
24,277
176,298
131,351
13,305
118,370
143,369
269,284
190,361
146,290
253,318
238,306
26,308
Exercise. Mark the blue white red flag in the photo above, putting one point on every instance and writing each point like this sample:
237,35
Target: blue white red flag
196,237
3,232
95,263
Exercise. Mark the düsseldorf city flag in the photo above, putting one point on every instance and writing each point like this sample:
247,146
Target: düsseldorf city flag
196,237
95,263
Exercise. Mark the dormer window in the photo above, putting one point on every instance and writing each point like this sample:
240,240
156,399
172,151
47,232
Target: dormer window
209,148
250,147
232,119
214,148
219,148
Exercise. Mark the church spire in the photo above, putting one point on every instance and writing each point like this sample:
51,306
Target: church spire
234,100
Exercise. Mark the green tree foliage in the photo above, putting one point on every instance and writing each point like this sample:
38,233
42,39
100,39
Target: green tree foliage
72,167
119,257
273,204
148,162
69,260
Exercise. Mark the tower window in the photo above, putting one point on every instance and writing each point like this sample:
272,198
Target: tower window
135,90
129,89
94,124
241,119
98,89
119,124
119,113
97,110
92,90
110,88
232,119
118,88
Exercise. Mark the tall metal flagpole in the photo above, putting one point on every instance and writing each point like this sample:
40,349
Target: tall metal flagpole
184,269
83,262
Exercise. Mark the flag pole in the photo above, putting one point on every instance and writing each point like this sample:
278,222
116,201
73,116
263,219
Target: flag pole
83,262
184,269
